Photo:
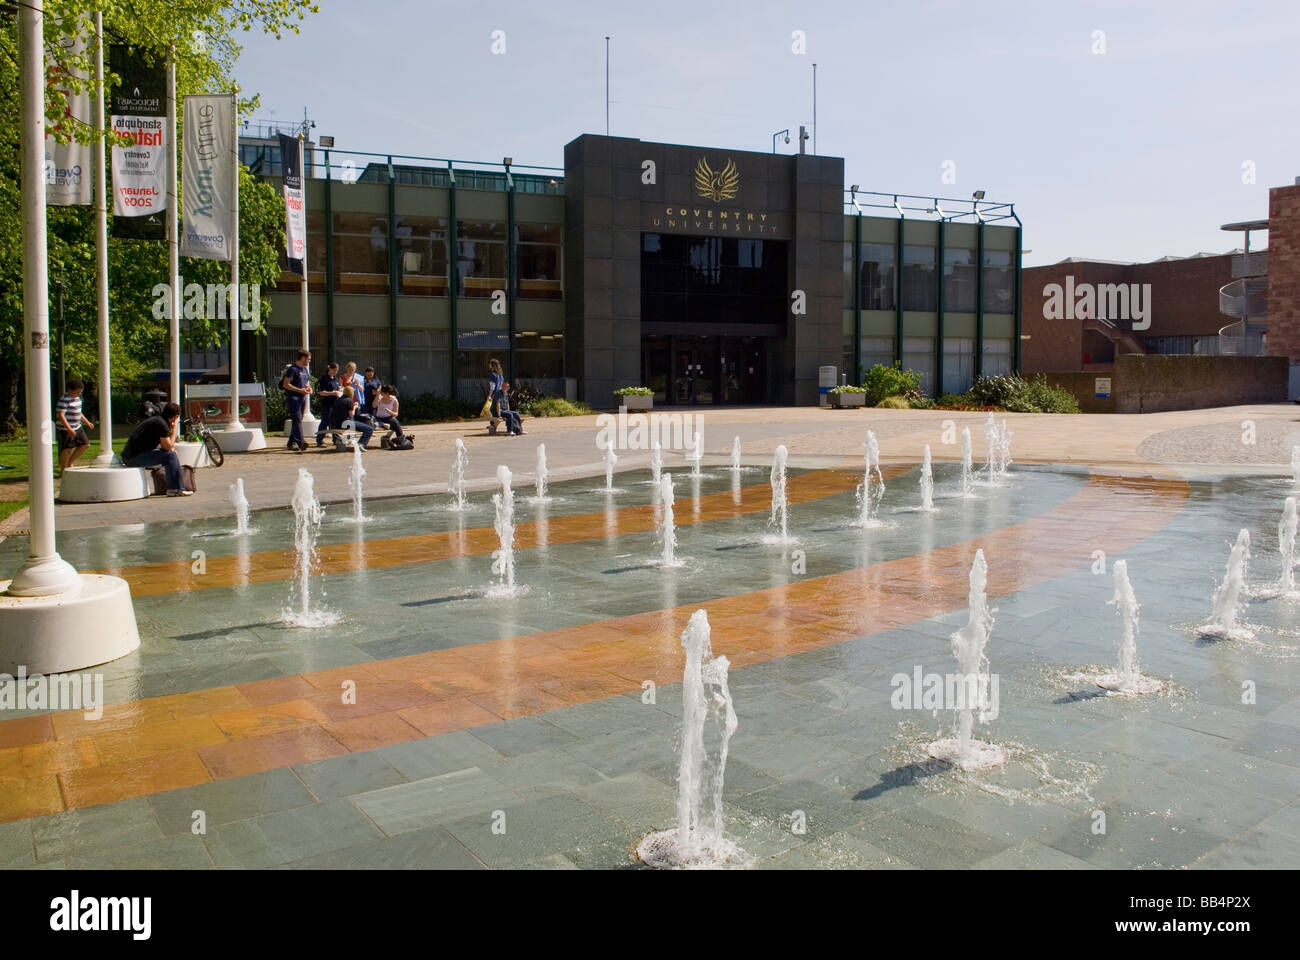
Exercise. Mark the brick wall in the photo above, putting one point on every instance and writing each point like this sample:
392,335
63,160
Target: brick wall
1152,384
1284,272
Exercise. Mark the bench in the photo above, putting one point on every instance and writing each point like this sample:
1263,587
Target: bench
345,437
96,484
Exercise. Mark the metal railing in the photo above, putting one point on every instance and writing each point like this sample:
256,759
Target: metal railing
1250,264
1242,339
1247,297
948,209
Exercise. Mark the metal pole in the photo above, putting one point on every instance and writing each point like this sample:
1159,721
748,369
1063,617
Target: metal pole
63,357
45,572
173,234
105,457
302,182
607,86
814,108
234,267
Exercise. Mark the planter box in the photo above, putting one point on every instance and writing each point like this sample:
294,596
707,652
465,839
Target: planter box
843,400
644,402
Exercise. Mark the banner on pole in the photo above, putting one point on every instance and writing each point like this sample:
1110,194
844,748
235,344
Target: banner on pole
140,169
207,175
68,165
295,211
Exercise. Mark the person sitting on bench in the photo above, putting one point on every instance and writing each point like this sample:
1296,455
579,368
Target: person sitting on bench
346,410
514,424
152,444
386,409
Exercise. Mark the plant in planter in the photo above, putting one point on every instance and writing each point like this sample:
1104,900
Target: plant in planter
635,398
842,397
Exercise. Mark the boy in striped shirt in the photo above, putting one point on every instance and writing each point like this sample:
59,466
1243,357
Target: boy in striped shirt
73,441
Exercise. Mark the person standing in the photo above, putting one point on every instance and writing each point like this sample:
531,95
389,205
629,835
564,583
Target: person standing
73,441
296,384
329,390
370,386
152,444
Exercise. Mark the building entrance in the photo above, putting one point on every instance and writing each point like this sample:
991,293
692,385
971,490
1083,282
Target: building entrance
700,370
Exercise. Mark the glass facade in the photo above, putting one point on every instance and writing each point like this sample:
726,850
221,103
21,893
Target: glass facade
999,281
878,267
959,280
360,253
537,261
422,256
919,291
918,355
958,364
719,280
481,257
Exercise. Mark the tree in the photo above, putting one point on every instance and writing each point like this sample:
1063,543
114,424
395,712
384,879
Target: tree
202,33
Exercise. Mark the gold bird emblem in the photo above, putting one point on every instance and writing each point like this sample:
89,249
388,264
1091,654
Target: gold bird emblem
717,186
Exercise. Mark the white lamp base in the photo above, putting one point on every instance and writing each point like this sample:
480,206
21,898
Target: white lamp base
89,625
98,484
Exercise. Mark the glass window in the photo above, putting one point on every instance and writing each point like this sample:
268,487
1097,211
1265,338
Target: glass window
422,256
918,355
876,350
958,280
364,346
878,264
713,279
958,364
481,257
539,358
919,291
360,253
997,357
848,274
423,360
537,261
999,281
474,348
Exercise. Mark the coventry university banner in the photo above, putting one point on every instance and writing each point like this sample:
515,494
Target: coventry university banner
295,213
140,168
68,166
207,177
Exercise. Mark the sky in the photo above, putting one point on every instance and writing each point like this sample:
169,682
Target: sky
1125,130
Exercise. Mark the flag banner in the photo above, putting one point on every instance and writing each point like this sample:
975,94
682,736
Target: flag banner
207,177
68,166
295,212
140,169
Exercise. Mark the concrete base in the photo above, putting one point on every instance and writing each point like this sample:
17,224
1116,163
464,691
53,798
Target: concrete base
194,454
88,625
104,484
310,425
241,441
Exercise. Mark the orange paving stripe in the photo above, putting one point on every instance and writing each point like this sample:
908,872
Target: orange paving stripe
152,579
148,746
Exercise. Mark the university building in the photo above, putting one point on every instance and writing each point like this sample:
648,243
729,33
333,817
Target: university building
714,276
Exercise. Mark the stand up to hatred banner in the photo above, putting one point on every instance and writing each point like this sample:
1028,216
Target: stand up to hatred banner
140,169
295,214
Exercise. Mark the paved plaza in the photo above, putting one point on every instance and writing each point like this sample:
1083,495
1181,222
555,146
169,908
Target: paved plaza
435,726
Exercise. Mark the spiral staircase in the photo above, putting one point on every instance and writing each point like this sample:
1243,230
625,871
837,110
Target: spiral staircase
1245,299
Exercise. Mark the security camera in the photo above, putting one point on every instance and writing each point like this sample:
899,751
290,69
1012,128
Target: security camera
787,138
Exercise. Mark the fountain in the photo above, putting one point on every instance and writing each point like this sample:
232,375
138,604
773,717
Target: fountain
611,461
780,505
656,463
306,517
1127,679
1286,530
695,455
1227,598
1004,448
542,473
993,441
973,683
927,482
698,842
735,455
241,507
667,527
456,479
355,474
967,471
503,558
1295,466
872,490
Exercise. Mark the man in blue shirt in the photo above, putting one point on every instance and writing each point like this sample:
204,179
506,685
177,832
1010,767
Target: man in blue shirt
329,389
296,384
371,386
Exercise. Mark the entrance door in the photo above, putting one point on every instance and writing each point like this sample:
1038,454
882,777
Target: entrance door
741,365
695,370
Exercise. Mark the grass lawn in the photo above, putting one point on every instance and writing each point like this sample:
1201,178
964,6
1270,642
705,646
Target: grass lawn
13,481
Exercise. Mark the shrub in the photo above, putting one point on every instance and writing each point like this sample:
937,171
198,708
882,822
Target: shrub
556,407
277,411
847,389
995,391
1039,396
634,392
880,382
432,407
895,403
919,401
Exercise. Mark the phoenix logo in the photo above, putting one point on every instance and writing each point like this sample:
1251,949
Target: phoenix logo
717,186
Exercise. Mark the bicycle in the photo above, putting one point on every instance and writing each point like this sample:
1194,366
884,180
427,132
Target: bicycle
203,434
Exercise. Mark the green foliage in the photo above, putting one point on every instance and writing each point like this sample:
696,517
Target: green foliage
895,403
1039,396
919,401
634,392
847,389
1015,394
432,408
203,34
881,382
995,391
557,407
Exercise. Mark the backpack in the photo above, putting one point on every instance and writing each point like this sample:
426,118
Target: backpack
159,476
406,443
